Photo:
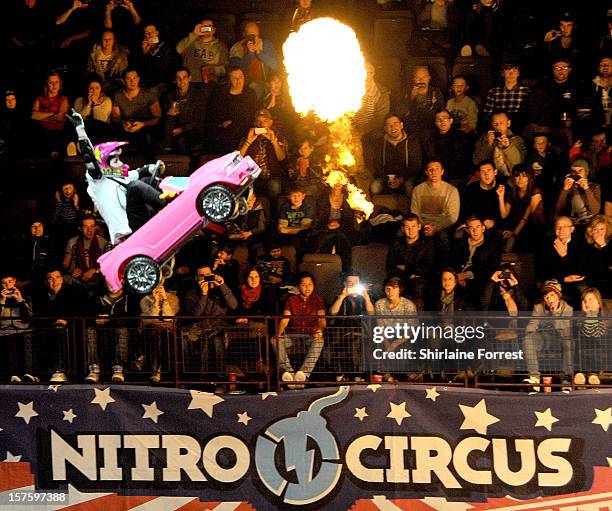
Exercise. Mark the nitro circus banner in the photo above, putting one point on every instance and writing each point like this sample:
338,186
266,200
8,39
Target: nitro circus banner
377,447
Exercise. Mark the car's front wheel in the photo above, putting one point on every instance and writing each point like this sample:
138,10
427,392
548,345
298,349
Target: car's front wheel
141,274
218,204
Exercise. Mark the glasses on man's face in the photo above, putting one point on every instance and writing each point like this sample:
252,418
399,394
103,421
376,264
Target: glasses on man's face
560,68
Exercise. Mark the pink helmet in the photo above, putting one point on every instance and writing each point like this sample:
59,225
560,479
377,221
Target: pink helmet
105,152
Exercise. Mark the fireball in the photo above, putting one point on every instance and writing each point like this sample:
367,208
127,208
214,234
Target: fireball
325,69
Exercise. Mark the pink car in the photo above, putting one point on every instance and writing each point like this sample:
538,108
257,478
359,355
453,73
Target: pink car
216,192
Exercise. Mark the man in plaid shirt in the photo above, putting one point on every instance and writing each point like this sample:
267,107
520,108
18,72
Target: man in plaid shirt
510,97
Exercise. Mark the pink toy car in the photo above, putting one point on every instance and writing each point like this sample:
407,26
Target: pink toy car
216,192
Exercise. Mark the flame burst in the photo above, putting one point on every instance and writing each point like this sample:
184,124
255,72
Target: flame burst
326,75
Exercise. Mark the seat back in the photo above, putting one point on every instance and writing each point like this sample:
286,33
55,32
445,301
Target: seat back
327,270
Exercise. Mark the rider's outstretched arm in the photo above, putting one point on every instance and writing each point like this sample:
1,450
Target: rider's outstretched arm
85,145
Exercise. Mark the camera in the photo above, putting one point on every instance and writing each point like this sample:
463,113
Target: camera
420,85
576,177
359,289
505,275
497,134
118,2
261,131
205,30
210,278
251,38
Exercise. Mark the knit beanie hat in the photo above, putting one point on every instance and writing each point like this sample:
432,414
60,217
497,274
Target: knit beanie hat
552,286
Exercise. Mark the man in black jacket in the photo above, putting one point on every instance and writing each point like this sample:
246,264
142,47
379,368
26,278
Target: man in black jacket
412,257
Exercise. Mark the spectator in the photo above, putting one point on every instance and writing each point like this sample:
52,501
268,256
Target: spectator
598,99
395,305
108,59
503,292
275,268
295,220
28,36
475,258
420,105
547,165
227,267
184,110
396,159
526,222
268,148
511,97
161,306
213,299
307,328
461,106
353,300
411,258
95,108
73,30
561,258
486,198
305,169
336,226
249,228
155,60
596,254
13,126
501,145
230,113
255,56
57,302
15,331
580,198
66,214
480,27
452,297
561,42
375,105
34,253
278,102
112,310
81,256
122,18
203,54
136,110
451,147
598,156
543,335
303,13
594,355
49,116
552,102
437,204
254,298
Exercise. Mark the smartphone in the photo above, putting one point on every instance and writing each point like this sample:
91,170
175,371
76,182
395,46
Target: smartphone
205,30
261,131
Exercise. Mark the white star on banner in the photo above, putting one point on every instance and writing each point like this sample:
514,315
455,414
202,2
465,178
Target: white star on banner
54,388
204,401
152,412
11,458
603,418
545,419
26,411
477,417
69,416
266,395
431,394
398,412
103,398
244,418
441,504
361,413
609,462
373,387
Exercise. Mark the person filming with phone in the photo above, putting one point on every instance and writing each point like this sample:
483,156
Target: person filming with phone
579,198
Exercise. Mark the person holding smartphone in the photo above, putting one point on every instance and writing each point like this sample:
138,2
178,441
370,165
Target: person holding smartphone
203,54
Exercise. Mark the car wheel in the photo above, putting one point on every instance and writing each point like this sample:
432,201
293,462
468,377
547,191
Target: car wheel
142,274
218,204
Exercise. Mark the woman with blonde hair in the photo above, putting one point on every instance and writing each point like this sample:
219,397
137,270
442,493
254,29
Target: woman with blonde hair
597,259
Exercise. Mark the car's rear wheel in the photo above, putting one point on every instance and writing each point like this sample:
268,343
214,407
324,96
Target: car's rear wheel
142,274
218,203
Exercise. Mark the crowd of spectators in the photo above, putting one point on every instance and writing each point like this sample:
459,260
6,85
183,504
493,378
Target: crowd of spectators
524,170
